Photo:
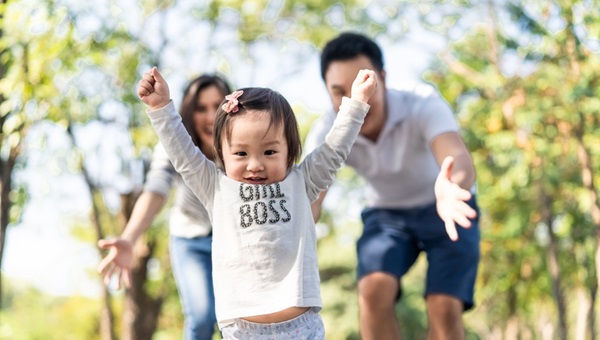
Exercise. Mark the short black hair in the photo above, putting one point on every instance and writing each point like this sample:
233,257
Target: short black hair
350,45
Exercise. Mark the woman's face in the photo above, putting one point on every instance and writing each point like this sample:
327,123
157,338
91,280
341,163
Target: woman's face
204,117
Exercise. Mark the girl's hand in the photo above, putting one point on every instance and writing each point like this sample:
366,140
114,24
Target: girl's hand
364,85
153,90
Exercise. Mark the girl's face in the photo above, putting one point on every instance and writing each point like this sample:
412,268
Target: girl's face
256,154
209,100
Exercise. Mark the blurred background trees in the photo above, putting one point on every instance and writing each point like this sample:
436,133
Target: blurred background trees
522,76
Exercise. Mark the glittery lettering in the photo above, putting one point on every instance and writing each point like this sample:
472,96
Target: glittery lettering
289,217
274,211
245,218
278,193
243,196
257,191
263,213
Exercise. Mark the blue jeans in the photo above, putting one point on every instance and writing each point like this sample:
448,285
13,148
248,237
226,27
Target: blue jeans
192,268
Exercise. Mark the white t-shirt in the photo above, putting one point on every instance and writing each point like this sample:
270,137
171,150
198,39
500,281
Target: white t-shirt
264,242
399,167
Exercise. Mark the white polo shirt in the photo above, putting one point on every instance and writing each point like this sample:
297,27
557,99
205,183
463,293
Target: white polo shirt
399,167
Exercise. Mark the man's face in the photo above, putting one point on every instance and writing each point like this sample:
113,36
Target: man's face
338,79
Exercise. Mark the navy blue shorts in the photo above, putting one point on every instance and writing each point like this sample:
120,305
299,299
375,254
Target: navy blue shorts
392,240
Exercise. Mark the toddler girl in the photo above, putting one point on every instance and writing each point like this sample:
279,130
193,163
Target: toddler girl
265,273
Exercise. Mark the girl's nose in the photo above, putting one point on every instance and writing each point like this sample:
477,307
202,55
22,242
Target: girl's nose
255,165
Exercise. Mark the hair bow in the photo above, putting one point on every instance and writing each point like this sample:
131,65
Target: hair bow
232,102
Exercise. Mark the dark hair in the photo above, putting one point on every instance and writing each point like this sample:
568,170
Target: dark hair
260,99
348,46
189,104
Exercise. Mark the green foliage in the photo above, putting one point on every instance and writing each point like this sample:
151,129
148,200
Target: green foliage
526,90
30,314
313,21
522,119
337,263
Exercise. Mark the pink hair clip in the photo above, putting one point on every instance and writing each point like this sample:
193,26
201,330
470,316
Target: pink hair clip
232,102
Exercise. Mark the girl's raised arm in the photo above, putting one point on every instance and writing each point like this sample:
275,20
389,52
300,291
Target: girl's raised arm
153,90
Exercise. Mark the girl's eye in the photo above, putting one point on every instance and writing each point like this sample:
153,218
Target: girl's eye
269,152
241,153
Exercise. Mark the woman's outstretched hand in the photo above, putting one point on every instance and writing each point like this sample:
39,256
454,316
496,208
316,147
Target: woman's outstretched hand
118,261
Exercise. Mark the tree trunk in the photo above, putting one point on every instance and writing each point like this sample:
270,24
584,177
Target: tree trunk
583,312
512,324
587,178
141,311
140,315
107,315
6,169
574,52
592,314
512,328
554,264
5,166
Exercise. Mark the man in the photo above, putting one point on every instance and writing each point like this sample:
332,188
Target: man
420,174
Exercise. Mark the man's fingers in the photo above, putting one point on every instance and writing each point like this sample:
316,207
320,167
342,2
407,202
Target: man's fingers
464,209
451,230
461,220
462,194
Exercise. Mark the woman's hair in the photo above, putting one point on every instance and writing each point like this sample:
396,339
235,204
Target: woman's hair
189,104
260,99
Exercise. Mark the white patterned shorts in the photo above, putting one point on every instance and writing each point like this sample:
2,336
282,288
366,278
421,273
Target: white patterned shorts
307,326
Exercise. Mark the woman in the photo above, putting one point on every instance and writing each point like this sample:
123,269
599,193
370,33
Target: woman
190,228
